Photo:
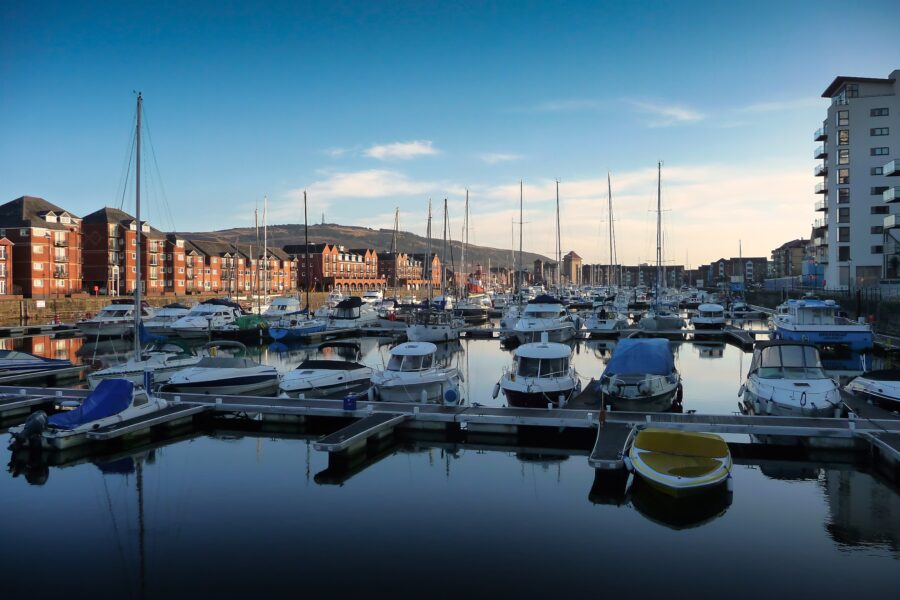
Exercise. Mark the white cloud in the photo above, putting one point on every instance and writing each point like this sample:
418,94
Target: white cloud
492,158
336,152
401,150
664,115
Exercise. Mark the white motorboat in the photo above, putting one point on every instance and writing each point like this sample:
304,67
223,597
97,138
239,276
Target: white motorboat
709,316
881,387
225,375
352,313
412,375
162,360
641,375
473,309
659,318
280,307
605,320
372,296
16,362
114,401
786,378
333,299
161,321
114,320
541,375
742,310
433,326
508,321
318,378
206,317
545,314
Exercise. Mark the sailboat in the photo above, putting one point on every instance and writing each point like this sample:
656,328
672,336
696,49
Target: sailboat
433,324
513,311
659,317
473,308
605,319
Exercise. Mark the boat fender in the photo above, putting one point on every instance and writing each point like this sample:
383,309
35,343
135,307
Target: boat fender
578,387
803,399
496,390
615,389
423,397
450,396
644,388
679,393
741,391
371,394
729,483
628,465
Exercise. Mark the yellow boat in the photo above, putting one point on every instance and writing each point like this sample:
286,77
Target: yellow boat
680,463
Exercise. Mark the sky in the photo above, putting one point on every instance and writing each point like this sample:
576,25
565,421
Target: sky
372,106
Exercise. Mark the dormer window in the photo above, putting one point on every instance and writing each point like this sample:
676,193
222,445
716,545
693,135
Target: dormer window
132,226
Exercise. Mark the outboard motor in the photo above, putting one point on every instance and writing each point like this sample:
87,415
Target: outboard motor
31,431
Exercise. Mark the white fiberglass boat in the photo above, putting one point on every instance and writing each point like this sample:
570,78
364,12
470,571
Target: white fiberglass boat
605,320
542,374
225,375
433,326
679,463
372,296
881,387
786,378
114,320
325,379
204,318
709,316
162,359
280,307
411,375
641,375
545,314
352,313
114,401
161,321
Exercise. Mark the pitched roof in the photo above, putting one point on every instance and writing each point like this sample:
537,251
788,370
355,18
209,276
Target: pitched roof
298,249
842,79
572,254
29,211
211,248
114,215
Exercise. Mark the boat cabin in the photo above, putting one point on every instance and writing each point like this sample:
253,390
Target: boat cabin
412,356
782,359
348,309
711,311
544,359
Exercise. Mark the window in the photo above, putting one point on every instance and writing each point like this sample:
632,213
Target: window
843,195
843,215
133,256
134,270
39,283
880,131
877,249
883,151
876,171
877,229
843,253
843,138
878,112
38,249
877,190
844,157
843,234
880,210
852,90
38,266
134,241
181,258
843,118
181,269
843,177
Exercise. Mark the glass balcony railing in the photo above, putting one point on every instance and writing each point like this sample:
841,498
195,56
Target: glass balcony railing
892,221
821,134
892,194
820,152
892,169
821,188
820,223
821,205
821,170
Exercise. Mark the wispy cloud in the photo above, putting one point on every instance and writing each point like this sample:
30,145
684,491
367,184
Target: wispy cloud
401,150
492,158
571,104
665,115
782,105
337,152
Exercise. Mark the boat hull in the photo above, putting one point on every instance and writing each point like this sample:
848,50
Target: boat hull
92,329
432,333
248,385
855,340
521,399
561,334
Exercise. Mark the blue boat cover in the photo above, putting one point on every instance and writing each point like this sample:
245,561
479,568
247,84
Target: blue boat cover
146,337
111,397
637,356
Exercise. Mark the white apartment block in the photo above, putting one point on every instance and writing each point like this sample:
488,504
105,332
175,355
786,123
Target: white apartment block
855,236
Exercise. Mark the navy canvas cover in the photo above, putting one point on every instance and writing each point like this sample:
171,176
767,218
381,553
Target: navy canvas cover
639,356
111,397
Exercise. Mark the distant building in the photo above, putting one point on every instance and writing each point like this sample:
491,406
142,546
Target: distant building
787,259
572,268
855,236
47,238
6,267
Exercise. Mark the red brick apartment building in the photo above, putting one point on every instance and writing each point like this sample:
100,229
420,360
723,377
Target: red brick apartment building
47,238
6,269
110,255
409,269
335,267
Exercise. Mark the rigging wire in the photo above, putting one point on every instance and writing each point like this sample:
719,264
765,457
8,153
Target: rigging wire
123,178
167,212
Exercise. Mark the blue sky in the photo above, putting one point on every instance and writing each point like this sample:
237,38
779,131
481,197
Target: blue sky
376,105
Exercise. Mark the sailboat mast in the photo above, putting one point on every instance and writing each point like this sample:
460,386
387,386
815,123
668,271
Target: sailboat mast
394,246
266,243
255,258
428,253
558,246
444,255
658,227
519,274
306,258
465,246
609,272
137,210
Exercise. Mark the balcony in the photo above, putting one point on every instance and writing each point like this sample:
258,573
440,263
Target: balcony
821,134
820,152
892,169
821,205
821,188
61,258
59,274
154,262
892,194
61,243
892,222
820,242
820,223
821,170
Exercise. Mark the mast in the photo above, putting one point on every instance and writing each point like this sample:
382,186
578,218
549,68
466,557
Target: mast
428,254
519,273
266,244
612,233
394,247
256,258
559,247
444,256
306,257
137,210
465,245
658,228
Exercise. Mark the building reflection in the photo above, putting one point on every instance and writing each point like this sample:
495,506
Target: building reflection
864,510
46,346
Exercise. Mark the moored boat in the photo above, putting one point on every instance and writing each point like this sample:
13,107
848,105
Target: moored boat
541,375
641,376
881,387
679,463
817,321
412,375
226,375
319,378
161,321
709,316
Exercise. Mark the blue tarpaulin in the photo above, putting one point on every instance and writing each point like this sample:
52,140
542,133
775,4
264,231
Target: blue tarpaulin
111,397
638,356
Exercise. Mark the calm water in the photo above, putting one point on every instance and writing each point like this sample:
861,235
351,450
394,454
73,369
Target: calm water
237,511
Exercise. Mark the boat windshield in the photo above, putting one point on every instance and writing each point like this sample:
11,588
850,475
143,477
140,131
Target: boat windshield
115,312
790,362
346,313
547,367
543,314
410,363
815,316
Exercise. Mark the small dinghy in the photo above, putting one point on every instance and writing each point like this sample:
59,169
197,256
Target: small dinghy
679,462
114,401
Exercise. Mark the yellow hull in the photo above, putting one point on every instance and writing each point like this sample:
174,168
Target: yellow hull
679,463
